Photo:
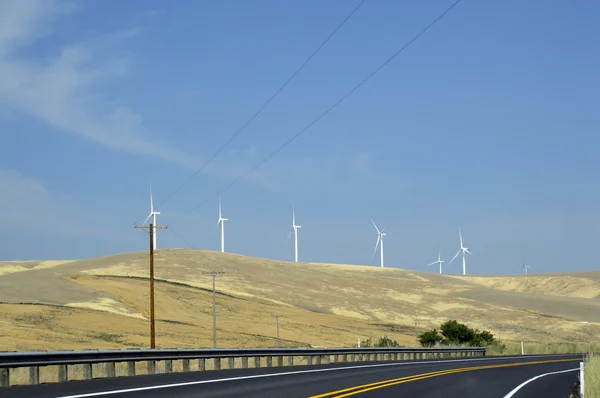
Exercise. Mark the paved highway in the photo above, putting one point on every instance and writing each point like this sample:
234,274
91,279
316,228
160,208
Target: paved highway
489,377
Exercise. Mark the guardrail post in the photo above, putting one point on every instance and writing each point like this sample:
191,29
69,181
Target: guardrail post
185,364
309,360
87,372
280,361
151,367
217,363
269,362
318,359
290,360
62,373
131,368
4,377
34,375
110,369
201,364
168,366
231,363
257,362
245,362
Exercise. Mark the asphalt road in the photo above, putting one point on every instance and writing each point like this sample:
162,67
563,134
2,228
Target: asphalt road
487,377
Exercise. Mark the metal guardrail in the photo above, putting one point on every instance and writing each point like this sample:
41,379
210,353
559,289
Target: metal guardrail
34,360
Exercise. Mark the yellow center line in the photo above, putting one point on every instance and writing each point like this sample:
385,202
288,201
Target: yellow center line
329,394
346,392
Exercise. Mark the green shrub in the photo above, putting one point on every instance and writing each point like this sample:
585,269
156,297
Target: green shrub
430,338
384,341
457,334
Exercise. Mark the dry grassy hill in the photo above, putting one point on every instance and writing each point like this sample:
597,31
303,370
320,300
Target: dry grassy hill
103,302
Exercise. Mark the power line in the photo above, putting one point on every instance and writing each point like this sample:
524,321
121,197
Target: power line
265,104
318,118
187,243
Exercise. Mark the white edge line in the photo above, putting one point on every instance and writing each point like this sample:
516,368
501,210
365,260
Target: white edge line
191,383
517,388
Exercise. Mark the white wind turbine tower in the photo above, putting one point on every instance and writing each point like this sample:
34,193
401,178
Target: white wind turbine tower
463,250
380,235
152,214
524,267
295,231
439,261
221,221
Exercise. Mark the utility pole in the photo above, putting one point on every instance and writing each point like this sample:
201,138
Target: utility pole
277,322
152,319
214,275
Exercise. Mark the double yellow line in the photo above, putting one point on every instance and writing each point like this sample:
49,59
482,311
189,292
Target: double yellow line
346,392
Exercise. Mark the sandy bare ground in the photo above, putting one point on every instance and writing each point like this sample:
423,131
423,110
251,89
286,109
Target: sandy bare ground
319,304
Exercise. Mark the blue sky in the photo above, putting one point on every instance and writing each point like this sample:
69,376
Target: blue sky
488,121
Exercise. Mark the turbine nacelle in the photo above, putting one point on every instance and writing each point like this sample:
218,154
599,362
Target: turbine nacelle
379,244
152,215
221,221
438,261
462,250
294,230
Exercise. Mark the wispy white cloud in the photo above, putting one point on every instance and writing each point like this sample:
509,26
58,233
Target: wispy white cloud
61,91
27,205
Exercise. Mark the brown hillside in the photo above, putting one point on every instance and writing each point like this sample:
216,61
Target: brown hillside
103,302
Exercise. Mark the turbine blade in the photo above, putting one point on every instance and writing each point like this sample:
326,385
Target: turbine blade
220,207
375,225
147,218
467,250
435,262
376,244
293,215
288,237
456,255
460,236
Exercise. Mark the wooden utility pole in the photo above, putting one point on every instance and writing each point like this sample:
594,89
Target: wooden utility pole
152,319
214,275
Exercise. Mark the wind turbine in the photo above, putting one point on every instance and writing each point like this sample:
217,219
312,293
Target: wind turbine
380,235
439,261
152,214
222,222
463,250
295,231
524,267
